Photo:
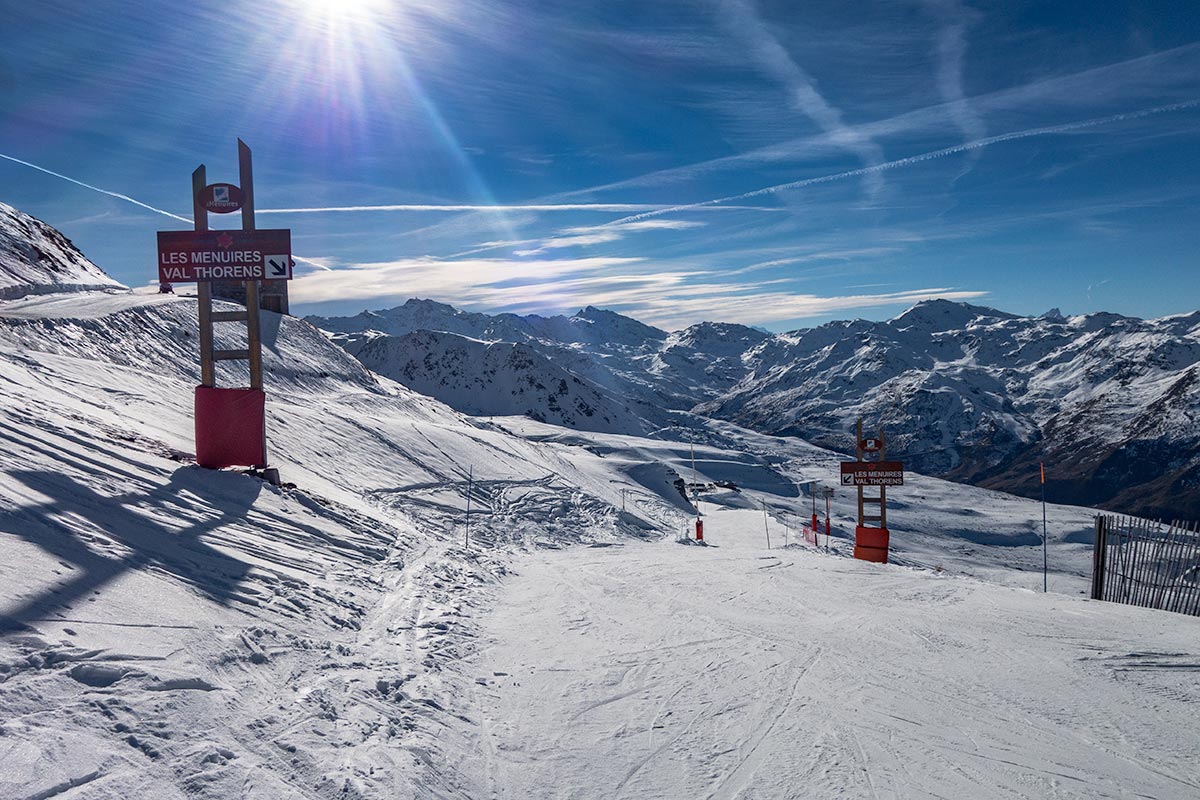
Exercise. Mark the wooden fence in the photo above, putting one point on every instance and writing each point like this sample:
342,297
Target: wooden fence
1148,564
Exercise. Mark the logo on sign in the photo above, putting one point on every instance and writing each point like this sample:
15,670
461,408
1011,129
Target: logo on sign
872,445
222,198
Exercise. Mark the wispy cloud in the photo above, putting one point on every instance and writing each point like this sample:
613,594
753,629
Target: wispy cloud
757,308
474,280
590,235
1168,74
953,18
742,17
1047,130
660,294
806,258
578,236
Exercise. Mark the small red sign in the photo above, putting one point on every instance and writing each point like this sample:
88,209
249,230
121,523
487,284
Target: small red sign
191,256
222,198
872,473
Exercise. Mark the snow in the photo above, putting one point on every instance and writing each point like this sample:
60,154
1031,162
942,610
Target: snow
494,379
189,633
37,259
966,392
654,670
168,631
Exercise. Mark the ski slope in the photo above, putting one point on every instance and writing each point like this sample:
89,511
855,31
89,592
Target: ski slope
174,632
168,631
731,671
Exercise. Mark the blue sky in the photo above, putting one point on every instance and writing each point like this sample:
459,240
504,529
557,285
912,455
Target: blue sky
767,162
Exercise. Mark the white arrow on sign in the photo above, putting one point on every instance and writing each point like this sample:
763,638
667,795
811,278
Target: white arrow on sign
277,266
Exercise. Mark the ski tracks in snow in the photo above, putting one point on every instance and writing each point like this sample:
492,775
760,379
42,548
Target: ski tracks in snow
659,671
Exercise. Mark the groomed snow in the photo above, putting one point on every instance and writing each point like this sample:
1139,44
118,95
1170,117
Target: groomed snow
731,671
172,632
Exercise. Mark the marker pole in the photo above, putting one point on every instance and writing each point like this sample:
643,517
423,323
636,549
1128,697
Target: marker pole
467,527
696,498
766,526
828,494
1045,557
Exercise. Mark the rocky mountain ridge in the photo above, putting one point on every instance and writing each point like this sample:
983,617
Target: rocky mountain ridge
1109,402
36,259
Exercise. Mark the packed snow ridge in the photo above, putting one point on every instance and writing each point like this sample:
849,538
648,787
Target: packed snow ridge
1109,403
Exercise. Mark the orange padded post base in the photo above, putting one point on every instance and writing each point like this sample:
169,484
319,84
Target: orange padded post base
871,544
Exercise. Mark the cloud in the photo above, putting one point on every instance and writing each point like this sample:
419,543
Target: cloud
742,17
644,225
951,52
805,258
471,281
758,308
1167,74
670,297
927,156
580,236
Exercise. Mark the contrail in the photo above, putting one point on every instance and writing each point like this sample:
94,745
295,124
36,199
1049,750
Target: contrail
620,208
920,157
129,199
117,195
617,207
742,17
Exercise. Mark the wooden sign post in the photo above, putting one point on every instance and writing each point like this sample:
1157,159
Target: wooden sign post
253,352
871,533
230,422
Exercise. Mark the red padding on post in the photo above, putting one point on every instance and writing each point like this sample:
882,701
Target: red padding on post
871,537
879,555
231,427
871,544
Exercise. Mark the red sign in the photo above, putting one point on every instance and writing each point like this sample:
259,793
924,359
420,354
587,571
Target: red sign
871,445
222,198
872,473
191,256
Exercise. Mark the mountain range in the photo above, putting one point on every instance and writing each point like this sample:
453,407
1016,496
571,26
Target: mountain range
1109,403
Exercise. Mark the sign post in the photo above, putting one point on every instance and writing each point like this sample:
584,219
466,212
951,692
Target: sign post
828,498
871,540
1045,557
230,423
696,499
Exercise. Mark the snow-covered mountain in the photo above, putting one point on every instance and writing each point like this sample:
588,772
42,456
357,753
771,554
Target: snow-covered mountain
36,259
171,631
1110,403
496,379
597,328
167,630
964,391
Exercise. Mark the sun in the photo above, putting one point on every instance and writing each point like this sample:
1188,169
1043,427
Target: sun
338,12
344,6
